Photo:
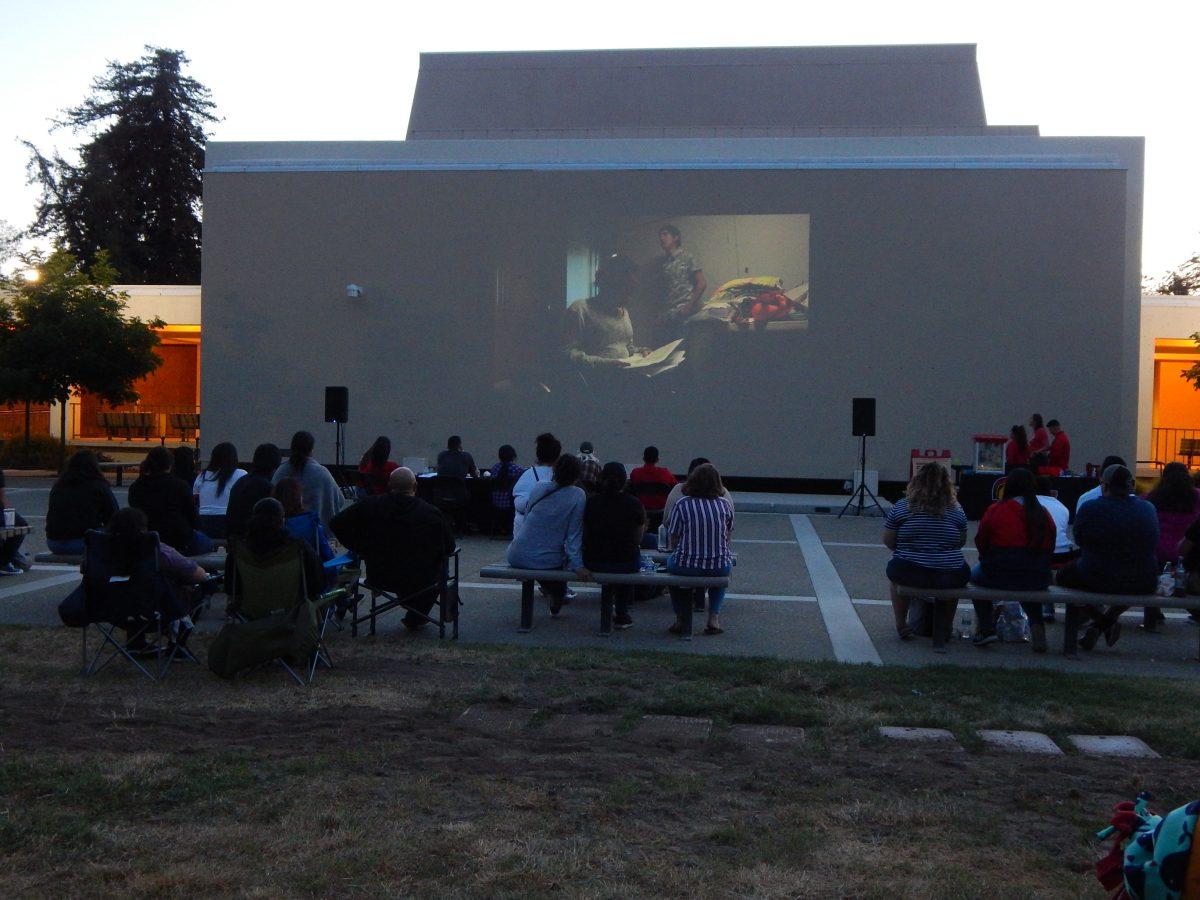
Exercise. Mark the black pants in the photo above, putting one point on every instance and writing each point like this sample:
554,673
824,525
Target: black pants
1069,576
617,594
10,547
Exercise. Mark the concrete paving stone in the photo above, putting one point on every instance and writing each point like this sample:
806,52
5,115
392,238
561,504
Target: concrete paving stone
497,720
771,737
1021,742
671,729
1112,745
579,727
939,736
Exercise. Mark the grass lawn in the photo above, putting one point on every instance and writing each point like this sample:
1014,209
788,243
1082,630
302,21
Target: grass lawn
365,783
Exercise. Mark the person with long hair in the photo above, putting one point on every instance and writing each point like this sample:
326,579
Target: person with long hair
1039,435
375,466
506,473
926,530
183,463
1016,451
551,536
1175,498
251,488
321,491
80,500
168,504
211,488
613,524
699,531
1016,540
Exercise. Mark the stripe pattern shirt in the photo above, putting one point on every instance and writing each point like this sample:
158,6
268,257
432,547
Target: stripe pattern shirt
701,528
934,542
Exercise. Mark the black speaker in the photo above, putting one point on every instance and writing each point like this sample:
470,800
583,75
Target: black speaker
337,404
864,416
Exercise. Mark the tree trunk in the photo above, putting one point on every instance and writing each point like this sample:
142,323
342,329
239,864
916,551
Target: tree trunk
27,431
62,433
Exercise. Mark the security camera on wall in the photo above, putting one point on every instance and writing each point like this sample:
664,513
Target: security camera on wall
353,290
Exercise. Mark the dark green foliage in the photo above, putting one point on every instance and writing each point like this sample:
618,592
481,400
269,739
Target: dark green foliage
135,192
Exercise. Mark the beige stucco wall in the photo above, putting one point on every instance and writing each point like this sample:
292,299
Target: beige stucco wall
1163,318
174,304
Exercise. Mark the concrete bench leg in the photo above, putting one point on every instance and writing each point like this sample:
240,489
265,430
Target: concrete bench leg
1071,632
526,607
689,605
606,611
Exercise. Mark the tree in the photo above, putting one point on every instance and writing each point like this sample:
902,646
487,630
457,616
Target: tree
136,190
67,331
1183,279
10,238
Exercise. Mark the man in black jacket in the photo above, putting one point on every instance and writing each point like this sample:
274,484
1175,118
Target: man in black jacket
403,540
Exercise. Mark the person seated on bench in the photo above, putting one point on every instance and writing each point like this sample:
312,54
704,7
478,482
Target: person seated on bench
1094,493
613,523
551,536
1177,502
1015,541
212,488
1117,535
926,530
403,540
168,504
699,530
651,483
251,488
547,450
1064,549
79,501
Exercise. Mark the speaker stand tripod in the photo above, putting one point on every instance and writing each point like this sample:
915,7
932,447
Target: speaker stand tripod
859,498
339,445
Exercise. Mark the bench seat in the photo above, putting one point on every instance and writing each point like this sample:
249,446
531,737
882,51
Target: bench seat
527,577
1054,594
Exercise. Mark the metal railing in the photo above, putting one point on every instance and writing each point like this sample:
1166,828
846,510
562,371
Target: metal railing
1165,444
85,424
12,420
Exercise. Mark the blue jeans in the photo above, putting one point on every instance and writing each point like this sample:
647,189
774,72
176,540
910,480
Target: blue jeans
73,547
682,597
201,543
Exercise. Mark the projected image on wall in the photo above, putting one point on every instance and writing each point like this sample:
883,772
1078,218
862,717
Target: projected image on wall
642,292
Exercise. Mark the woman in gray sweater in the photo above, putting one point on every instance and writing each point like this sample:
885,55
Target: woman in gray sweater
552,534
321,492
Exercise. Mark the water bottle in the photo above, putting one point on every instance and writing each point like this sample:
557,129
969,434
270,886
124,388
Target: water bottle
1181,579
965,625
1166,581
662,537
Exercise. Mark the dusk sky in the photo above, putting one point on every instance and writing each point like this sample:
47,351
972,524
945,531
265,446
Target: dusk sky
346,71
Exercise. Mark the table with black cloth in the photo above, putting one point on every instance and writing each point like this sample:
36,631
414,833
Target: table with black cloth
479,498
975,491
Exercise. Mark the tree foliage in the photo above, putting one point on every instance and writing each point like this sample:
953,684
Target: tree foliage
67,330
135,193
1183,279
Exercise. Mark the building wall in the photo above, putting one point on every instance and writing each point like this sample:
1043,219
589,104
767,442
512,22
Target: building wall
962,299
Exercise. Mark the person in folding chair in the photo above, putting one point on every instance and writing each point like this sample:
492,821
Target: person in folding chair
134,582
272,575
408,547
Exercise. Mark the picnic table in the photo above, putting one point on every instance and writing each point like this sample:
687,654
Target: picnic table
119,468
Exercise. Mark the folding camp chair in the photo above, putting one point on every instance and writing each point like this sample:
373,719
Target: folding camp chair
445,602
139,603
275,584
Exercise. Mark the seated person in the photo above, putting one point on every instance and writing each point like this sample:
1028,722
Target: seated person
599,334
168,504
80,500
551,536
321,491
699,531
251,488
403,540
1064,548
266,535
1097,491
926,530
126,528
375,467
677,491
12,561
300,522
613,523
212,488
1177,503
1015,540
454,461
651,483
507,473
547,449
589,467
1117,535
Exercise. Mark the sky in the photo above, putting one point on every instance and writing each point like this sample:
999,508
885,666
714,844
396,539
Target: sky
346,71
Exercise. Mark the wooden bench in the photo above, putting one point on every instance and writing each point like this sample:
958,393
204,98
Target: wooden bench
209,562
187,424
1189,448
1054,594
527,577
120,468
129,423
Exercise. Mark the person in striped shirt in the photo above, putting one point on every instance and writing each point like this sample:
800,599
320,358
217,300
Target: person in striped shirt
700,527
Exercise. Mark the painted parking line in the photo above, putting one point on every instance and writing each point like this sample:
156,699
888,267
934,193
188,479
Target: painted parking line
594,591
28,587
762,541
847,635
875,546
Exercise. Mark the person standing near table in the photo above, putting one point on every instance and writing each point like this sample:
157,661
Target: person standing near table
1039,436
12,560
682,283
1060,446
1016,451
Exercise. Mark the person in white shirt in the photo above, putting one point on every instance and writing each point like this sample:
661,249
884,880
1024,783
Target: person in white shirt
1094,493
547,450
1064,548
212,487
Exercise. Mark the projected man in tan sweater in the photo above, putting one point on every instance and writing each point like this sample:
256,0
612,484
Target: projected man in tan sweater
599,333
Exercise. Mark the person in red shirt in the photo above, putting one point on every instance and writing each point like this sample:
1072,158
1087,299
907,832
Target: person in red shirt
651,483
1060,446
1039,437
1015,541
375,468
1016,451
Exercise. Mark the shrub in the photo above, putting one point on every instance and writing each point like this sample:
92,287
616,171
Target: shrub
43,452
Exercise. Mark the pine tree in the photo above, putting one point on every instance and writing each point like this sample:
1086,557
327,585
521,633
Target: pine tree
135,192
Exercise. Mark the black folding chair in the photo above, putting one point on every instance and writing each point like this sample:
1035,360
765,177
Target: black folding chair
449,494
445,600
644,489
141,603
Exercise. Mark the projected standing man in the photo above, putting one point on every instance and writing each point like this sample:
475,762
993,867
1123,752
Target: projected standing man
683,283
599,333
